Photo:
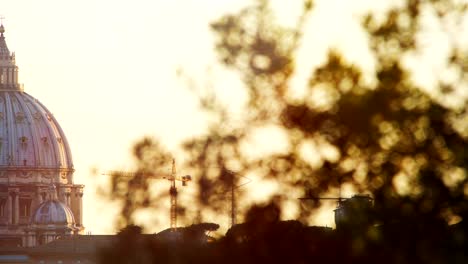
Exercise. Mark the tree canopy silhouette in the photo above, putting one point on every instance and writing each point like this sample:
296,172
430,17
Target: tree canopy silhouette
390,136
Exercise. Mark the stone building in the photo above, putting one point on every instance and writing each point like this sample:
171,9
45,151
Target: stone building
39,200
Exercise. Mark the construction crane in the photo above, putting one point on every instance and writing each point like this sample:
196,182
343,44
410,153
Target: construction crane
172,177
339,199
233,187
355,207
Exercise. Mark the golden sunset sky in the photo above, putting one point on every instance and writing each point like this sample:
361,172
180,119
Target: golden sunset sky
107,69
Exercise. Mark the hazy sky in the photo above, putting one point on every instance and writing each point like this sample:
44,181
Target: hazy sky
107,70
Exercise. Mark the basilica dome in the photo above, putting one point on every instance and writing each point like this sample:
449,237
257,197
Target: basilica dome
34,155
30,136
53,212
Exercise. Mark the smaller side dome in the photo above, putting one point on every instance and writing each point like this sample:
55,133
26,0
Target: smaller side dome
53,212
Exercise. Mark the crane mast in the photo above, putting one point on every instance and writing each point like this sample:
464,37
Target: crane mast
233,204
172,177
173,195
233,195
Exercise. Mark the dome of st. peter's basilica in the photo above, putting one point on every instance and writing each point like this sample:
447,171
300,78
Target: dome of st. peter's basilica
34,155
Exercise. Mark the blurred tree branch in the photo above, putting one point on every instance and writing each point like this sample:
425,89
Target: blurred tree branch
402,143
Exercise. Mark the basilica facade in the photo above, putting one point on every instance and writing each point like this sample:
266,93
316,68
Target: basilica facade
39,201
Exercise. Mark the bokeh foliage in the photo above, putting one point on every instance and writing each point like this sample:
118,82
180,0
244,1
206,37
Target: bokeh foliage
403,143
133,189
391,138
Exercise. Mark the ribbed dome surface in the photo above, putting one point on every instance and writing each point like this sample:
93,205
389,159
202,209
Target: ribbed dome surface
29,134
53,212
34,154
